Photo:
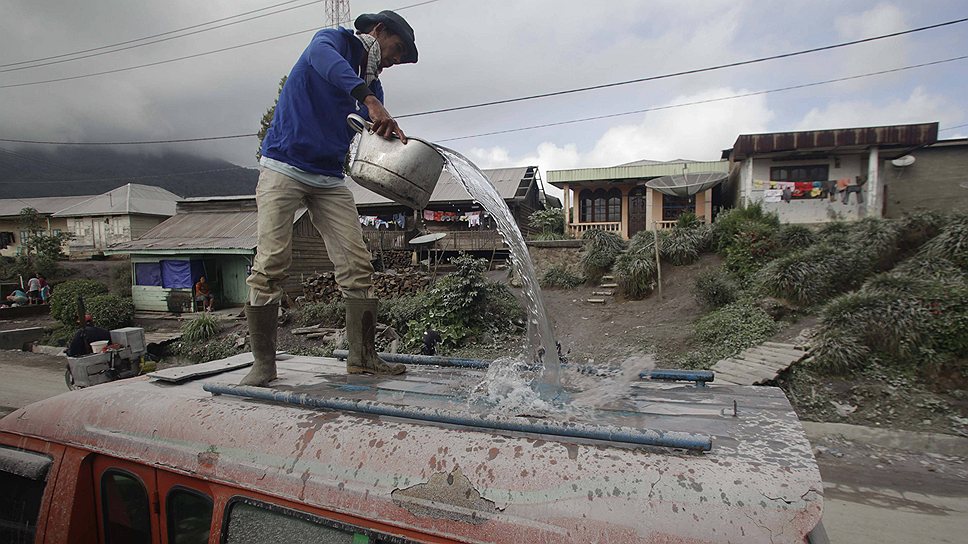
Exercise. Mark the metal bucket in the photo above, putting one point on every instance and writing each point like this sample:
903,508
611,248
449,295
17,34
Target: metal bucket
405,173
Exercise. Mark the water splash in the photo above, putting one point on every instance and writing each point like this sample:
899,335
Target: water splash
541,339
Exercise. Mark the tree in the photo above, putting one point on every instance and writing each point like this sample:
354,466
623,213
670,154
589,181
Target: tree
267,118
39,249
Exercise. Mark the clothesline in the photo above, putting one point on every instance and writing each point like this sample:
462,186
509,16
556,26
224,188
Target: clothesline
473,219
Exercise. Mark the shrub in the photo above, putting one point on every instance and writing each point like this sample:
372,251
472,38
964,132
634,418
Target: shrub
200,352
110,311
682,245
600,249
325,314
201,328
549,222
793,237
753,245
735,327
63,302
919,227
687,220
558,276
121,280
398,312
635,270
729,223
951,243
715,288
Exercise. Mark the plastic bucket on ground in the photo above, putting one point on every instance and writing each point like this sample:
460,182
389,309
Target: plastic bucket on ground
98,347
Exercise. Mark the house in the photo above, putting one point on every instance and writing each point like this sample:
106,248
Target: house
214,237
120,215
11,229
818,176
644,195
453,211
934,178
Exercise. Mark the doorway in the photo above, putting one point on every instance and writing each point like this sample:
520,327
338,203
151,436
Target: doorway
637,210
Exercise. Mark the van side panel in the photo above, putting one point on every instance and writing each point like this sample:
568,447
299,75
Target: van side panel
56,452
72,517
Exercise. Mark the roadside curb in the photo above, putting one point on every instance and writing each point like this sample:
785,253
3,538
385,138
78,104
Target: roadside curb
943,444
47,350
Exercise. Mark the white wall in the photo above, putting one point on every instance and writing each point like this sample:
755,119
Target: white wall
807,210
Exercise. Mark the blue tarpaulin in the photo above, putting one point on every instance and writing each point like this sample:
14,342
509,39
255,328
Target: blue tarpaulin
147,274
176,274
198,270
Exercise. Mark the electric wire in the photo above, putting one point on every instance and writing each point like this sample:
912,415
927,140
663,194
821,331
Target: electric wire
160,39
953,127
532,127
196,55
118,178
147,37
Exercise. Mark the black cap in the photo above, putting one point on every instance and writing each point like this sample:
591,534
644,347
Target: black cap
396,25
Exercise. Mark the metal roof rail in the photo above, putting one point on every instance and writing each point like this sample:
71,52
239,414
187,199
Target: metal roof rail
567,429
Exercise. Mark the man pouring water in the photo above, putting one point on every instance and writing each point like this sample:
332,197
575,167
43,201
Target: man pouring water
302,165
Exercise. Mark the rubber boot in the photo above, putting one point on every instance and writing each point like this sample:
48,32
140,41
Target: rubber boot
263,322
361,335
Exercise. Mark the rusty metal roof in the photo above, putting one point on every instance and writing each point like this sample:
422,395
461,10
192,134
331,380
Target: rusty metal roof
199,232
759,482
449,189
843,139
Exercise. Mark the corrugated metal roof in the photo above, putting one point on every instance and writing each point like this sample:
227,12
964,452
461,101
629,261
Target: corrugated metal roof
449,189
200,231
44,205
578,175
129,199
841,139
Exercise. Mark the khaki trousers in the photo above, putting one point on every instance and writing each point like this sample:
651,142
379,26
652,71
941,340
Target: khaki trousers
333,213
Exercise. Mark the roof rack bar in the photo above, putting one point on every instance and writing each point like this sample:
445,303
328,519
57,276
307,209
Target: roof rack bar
627,435
700,377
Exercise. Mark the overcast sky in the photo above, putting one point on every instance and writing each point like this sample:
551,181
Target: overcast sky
473,51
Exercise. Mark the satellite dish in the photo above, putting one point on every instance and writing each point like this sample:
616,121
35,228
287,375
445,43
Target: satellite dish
901,162
427,238
685,185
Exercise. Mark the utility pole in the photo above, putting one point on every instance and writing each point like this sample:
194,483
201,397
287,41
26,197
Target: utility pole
338,12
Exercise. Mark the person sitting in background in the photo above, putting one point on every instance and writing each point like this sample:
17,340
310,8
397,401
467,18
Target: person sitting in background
17,297
81,343
44,289
203,294
33,289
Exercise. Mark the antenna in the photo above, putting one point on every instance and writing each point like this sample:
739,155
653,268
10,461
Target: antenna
337,12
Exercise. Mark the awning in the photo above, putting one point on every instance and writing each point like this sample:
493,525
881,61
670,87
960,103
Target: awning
685,185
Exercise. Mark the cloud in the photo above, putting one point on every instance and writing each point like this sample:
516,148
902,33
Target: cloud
697,132
920,107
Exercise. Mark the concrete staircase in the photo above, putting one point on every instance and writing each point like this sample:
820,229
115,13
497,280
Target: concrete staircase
758,364
607,289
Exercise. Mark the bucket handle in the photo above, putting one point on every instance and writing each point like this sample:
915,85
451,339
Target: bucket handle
358,123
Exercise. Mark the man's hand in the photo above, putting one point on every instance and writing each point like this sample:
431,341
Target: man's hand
383,124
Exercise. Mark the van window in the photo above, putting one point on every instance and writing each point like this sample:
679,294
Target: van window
189,516
126,509
251,522
23,476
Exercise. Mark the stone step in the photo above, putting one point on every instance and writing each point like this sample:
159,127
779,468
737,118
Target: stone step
603,293
595,300
609,286
608,278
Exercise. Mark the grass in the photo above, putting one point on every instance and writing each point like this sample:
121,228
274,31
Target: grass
599,252
200,328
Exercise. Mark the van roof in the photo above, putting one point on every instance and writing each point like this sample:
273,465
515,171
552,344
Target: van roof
472,484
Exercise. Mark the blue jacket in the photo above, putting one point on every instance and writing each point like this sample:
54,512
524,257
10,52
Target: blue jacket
309,129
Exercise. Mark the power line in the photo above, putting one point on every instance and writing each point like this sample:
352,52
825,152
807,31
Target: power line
205,53
532,127
954,127
147,37
687,72
129,178
162,39
709,100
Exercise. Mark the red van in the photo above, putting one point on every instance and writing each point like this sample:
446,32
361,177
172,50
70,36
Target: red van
183,456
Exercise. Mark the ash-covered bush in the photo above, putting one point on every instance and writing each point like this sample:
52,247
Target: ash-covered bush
951,243
558,276
599,251
110,311
63,302
635,270
794,237
324,314
683,245
753,245
730,222
715,288
200,328
735,327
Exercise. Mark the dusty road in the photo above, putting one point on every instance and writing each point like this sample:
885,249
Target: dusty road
29,377
872,494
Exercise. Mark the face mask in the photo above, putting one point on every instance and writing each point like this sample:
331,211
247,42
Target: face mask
371,67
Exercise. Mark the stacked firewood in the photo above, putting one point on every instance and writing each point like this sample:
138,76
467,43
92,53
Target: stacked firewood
395,259
323,287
